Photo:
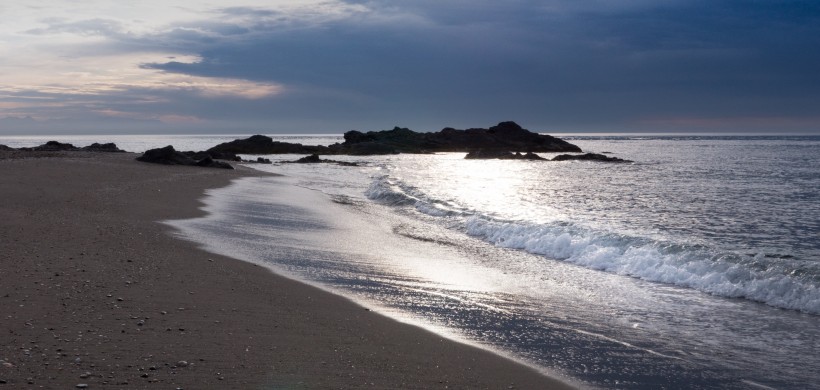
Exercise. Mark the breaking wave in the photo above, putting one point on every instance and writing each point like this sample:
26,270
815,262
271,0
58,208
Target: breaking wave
776,280
386,190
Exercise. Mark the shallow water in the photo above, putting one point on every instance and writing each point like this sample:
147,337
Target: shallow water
617,276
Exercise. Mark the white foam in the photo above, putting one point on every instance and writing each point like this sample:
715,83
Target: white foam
724,274
387,191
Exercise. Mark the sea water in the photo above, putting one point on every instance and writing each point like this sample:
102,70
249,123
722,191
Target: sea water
696,266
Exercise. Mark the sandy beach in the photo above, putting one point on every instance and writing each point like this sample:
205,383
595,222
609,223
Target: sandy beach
95,292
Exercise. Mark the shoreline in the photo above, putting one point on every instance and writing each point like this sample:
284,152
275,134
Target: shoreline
105,295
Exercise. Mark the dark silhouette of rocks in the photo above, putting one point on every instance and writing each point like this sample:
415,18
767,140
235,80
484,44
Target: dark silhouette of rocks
166,156
507,155
208,162
107,148
55,146
501,155
506,136
169,156
314,159
589,157
263,160
260,144
5,148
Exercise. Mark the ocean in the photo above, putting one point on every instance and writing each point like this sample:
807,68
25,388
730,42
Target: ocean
695,267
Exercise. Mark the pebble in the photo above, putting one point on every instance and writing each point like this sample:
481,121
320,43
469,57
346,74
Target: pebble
182,363
82,386
85,375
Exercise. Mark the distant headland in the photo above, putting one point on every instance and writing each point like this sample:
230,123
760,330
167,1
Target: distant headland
505,141
506,136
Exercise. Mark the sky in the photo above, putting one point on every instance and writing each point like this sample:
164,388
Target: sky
328,66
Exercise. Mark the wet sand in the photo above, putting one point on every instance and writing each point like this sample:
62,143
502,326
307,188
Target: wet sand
94,291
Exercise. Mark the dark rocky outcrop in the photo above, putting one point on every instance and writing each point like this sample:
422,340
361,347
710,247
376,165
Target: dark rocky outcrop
506,155
260,144
589,157
53,146
107,148
314,159
169,156
263,160
6,148
197,155
501,155
208,162
506,136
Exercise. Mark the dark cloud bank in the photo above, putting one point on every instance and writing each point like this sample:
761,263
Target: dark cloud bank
717,66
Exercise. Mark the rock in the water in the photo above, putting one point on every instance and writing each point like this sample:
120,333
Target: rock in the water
262,160
531,156
313,158
505,136
260,144
54,146
107,147
589,157
169,156
482,154
501,155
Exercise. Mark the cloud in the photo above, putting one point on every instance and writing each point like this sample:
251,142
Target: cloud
553,65
90,27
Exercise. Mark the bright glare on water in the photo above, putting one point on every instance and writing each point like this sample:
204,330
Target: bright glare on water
671,272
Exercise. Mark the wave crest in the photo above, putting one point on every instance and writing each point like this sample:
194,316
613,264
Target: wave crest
785,283
781,282
391,192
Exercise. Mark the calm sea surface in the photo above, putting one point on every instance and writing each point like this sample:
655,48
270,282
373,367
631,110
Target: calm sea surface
696,266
